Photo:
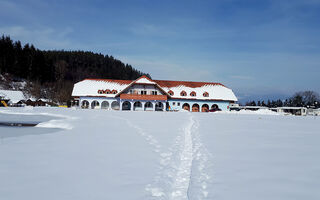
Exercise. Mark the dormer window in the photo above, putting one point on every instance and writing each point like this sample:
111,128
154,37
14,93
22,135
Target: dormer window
183,93
171,93
114,91
107,91
100,91
193,94
206,94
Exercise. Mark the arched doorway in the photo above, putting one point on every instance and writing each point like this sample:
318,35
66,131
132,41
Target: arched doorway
85,104
214,106
94,104
195,108
126,105
186,106
104,105
115,105
159,106
148,106
205,108
137,105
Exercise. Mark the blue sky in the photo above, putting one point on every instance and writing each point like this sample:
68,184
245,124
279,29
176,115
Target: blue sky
257,48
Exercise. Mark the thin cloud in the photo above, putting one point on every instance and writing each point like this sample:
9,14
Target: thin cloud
241,77
151,30
45,38
167,70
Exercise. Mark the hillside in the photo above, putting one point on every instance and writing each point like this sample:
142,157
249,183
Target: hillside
51,74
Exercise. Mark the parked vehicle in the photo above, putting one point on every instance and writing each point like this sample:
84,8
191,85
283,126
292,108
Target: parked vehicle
234,106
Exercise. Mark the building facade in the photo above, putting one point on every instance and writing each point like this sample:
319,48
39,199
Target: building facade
145,94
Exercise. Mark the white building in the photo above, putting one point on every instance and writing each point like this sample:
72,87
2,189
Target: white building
13,97
147,94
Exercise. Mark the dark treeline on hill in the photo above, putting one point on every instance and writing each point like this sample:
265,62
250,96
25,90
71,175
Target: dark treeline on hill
51,74
299,99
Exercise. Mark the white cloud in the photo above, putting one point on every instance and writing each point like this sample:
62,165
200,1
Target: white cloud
166,70
152,30
241,77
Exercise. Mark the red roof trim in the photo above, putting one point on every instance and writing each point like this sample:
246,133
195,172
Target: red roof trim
169,84
161,83
144,76
122,82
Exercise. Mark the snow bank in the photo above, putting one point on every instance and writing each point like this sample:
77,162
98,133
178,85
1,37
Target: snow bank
250,112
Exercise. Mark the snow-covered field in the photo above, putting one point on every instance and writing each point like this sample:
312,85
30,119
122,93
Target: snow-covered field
96,154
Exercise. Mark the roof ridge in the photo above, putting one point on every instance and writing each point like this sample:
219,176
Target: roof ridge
161,83
105,79
190,81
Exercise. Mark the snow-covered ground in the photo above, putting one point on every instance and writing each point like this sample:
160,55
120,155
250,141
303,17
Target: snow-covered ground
97,154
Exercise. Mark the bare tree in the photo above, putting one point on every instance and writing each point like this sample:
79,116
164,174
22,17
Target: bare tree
305,98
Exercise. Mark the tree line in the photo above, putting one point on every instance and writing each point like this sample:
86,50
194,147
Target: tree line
299,99
51,74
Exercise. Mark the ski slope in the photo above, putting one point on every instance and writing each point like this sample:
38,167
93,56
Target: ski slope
97,154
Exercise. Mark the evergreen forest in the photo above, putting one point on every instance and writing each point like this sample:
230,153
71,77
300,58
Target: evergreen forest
51,74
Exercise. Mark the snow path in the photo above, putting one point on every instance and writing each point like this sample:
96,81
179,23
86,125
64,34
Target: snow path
149,138
183,173
182,180
183,167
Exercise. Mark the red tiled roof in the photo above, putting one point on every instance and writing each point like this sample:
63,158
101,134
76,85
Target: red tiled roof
121,82
143,97
162,83
165,83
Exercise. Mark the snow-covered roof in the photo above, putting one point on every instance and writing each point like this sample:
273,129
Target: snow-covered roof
90,87
144,80
13,96
217,92
193,90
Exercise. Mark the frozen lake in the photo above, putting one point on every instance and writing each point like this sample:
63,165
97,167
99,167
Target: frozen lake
15,125
99,154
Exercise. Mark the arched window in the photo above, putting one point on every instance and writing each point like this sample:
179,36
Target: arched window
137,105
115,105
206,94
171,93
183,93
186,106
100,91
85,104
107,91
114,91
94,104
193,94
148,106
126,105
195,108
205,108
104,105
215,107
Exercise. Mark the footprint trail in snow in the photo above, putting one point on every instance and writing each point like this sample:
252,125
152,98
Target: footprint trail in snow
182,175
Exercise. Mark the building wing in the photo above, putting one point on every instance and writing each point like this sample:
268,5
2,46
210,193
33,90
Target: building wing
174,89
